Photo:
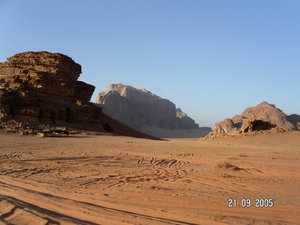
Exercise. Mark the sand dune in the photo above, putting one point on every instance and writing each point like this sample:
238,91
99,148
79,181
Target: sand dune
121,180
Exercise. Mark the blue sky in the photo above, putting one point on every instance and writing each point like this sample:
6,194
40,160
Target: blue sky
212,58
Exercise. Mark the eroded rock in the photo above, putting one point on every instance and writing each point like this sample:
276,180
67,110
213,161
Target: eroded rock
250,125
264,116
42,87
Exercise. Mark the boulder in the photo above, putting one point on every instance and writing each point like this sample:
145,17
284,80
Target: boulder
139,107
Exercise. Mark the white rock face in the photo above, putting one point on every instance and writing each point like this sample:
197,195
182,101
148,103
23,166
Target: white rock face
139,107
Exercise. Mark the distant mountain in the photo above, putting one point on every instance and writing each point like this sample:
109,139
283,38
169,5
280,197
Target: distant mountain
139,107
264,116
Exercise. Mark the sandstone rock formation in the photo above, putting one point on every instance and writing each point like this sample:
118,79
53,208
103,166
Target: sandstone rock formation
41,88
139,107
264,116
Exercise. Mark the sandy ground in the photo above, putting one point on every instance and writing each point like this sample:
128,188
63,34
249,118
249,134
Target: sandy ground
120,180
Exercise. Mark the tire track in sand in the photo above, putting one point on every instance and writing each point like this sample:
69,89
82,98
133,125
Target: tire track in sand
55,208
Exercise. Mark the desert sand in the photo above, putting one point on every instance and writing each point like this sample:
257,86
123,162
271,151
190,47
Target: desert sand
121,180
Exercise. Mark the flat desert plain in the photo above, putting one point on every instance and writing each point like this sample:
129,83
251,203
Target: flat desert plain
121,180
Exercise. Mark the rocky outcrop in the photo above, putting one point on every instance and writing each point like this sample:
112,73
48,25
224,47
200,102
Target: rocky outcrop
226,127
41,89
264,116
139,107
269,113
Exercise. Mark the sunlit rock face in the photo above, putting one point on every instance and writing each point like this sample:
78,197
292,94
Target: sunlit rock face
42,87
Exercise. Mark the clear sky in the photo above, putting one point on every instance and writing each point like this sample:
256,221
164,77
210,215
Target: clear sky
212,58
